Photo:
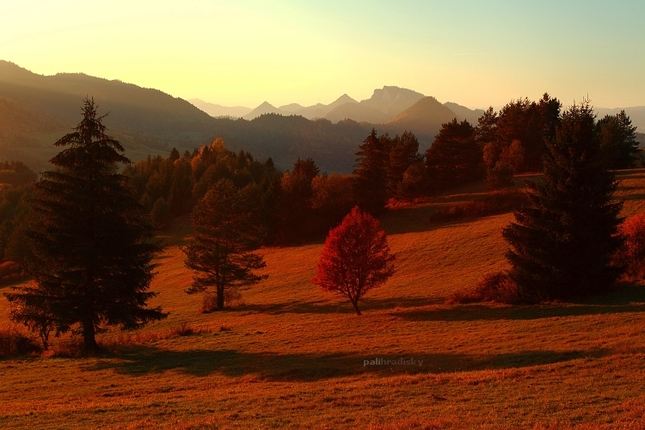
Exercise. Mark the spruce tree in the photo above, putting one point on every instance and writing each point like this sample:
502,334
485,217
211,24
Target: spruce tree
89,241
561,245
404,152
618,140
226,233
370,174
454,157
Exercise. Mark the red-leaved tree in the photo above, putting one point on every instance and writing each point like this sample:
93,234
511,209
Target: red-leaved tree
356,257
631,255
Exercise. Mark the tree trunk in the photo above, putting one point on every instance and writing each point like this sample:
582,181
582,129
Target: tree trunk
89,337
220,297
355,303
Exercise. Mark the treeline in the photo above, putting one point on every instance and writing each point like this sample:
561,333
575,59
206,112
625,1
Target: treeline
293,206
16,181
302,203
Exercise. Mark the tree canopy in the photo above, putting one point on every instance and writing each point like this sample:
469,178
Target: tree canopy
356,258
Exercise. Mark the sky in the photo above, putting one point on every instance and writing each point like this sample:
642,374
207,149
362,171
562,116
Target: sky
241,53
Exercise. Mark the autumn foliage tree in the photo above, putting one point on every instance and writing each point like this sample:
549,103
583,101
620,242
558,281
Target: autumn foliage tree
356,258
631,255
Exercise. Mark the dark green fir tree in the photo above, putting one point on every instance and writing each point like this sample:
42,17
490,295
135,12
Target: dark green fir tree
370,173
562,244
90,244
226,233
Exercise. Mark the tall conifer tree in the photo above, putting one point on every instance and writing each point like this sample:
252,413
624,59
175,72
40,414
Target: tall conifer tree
562,244
90,243
226,233
370,174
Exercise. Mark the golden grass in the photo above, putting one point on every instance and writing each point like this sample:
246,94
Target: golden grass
293,356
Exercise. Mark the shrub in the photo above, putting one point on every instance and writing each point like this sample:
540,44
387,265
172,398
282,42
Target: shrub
232,298
631,255
495,287
498,202
183,330
10,272
13,343
500,176
209,303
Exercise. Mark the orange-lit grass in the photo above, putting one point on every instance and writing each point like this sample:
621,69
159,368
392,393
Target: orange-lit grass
293,356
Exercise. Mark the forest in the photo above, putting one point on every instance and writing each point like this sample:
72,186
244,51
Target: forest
302,204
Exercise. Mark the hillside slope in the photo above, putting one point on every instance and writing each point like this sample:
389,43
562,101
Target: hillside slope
424,118
294,356
144,120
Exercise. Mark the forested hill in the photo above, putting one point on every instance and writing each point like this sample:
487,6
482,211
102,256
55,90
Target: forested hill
36,109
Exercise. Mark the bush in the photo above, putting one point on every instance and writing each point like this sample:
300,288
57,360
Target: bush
10,272
631,255
500,176
495,287
232,298
209,303
498,202
13,343
160,215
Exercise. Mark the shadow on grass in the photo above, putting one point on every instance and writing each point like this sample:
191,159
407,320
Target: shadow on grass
626,300
630,197
139,361
343,307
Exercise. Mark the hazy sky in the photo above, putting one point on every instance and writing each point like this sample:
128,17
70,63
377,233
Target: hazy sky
473,52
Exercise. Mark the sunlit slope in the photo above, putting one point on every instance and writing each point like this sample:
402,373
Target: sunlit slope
293,356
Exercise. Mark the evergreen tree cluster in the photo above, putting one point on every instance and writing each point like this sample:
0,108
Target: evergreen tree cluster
562,245
387,168
295,206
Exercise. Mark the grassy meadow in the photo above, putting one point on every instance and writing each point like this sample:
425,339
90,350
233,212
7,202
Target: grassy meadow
293,356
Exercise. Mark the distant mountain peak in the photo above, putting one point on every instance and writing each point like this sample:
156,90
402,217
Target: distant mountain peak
266,105
263,109
392,93
391,100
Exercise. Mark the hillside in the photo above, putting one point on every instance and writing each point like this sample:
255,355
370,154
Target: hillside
321,111
216,110
37,110
636,114
264,109
424,118
293,356
356,112
463,113
391,101
144,120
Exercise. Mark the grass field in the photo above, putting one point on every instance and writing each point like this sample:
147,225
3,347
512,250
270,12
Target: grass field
293,356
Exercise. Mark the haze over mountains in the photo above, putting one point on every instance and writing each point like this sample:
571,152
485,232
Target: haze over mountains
383,107
37,110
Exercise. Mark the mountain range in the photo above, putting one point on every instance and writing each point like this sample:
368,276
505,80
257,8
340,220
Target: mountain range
36,110
383,107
